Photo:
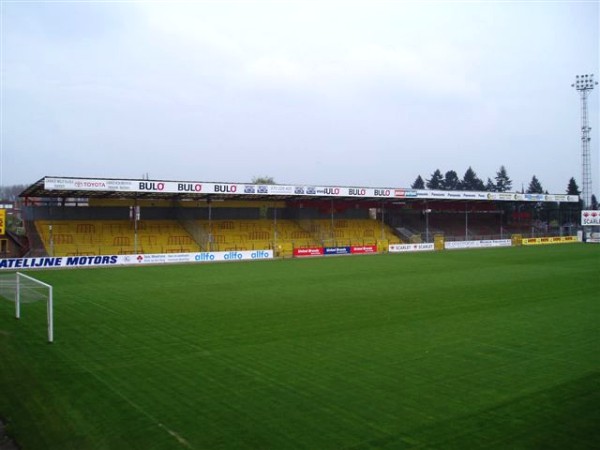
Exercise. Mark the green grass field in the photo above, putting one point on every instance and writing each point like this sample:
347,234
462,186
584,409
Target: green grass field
490,349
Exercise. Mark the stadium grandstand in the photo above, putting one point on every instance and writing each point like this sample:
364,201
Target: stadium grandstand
83,217
12,244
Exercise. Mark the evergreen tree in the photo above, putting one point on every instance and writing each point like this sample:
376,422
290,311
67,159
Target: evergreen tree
418,184
503,182
572,210
451,182
594,202
535,187
471,182
435,182
572,188
490,186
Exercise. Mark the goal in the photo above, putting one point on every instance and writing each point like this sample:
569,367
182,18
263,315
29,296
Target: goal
20,288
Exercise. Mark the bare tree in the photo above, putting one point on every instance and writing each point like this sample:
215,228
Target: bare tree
11,193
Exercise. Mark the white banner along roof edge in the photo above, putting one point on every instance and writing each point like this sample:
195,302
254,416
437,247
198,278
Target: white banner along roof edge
111,187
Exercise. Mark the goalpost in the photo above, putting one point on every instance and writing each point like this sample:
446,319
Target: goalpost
22,288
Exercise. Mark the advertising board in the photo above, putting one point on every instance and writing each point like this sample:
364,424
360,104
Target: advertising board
363,249
399,248
328,251
130,260
241,189
454,245
590,218
550,240
336,250
313,251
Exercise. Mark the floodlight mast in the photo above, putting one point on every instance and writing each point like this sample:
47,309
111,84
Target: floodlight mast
584,84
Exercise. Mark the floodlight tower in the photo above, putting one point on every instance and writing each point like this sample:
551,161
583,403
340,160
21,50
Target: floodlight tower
584,84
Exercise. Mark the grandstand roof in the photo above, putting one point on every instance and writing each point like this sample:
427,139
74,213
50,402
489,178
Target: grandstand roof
71,187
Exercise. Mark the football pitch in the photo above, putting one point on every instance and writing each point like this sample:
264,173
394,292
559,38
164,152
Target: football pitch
490,349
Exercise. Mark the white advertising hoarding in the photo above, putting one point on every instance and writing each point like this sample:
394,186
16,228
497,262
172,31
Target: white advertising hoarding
453,245
590,218
198,187
400,248
131,260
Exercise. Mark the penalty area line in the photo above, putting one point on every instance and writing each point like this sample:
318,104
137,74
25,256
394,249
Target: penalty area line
174,434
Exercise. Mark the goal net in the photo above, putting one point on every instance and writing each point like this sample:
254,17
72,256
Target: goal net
20,288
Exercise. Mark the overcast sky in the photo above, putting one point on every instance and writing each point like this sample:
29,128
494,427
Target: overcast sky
365,93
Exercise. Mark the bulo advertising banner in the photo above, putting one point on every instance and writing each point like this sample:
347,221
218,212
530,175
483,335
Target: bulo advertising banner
241,189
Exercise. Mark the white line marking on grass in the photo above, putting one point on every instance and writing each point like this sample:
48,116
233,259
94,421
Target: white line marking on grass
533,355
176,435
179,438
